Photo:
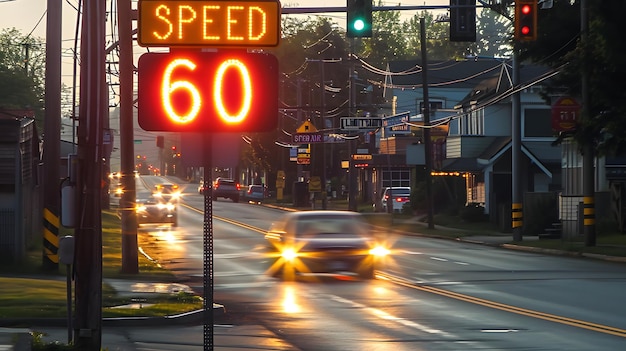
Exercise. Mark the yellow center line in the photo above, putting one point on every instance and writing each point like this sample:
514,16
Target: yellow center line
504,307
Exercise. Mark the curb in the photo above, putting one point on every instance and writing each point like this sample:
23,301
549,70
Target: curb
189,318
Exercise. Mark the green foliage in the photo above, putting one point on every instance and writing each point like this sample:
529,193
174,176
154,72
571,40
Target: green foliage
473,213
560,45
540,211
22,66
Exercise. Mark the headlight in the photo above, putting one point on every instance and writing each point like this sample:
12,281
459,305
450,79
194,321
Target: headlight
289,254
140,208
168,206
379,251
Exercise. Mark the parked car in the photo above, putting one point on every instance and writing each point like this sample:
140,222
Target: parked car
256,192
226,188
399,196
323,241
155,211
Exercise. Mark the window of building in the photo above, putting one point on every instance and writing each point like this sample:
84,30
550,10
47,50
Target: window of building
396,177
537,123
434,105
473,122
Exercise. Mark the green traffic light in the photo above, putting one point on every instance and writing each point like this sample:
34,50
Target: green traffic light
359,13
358,25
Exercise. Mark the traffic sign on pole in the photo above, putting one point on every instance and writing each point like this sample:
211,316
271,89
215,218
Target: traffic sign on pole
360,123
209,23
565,112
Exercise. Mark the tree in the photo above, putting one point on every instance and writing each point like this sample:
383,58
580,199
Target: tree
438,44
494,34
388,42
559,46
22,65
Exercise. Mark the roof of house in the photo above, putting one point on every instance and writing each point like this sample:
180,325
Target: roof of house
458,74
499,83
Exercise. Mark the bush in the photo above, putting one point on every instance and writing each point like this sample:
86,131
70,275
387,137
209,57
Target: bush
473,213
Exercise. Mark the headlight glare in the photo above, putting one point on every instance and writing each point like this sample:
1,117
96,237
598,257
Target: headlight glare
379,251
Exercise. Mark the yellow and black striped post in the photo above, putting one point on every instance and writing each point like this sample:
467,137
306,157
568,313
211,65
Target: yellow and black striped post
51,224
517,216
589,211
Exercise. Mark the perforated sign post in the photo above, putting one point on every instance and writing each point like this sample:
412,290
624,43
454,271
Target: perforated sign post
191,90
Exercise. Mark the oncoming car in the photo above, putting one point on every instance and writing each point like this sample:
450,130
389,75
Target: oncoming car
323,242
168,192
155,211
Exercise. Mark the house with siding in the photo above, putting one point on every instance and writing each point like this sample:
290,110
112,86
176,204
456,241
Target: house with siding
472,99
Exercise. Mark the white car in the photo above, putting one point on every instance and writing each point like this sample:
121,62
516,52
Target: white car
398,196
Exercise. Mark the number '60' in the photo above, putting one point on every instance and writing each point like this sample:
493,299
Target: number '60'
170,87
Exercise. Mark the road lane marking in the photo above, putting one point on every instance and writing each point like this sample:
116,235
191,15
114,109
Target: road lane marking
504,307
389,317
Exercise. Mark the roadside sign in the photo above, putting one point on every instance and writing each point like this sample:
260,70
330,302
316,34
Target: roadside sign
315,184
306,127
360,123
361,157
565,112
308,138
209,23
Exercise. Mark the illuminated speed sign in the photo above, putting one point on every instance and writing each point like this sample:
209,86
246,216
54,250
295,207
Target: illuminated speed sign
194,91
209,23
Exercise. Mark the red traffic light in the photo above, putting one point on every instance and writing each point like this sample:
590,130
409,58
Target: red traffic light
525,20
194,91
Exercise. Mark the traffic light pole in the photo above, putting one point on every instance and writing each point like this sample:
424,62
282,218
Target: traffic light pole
516,154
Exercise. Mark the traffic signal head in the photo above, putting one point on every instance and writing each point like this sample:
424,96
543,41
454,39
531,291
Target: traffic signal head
195,91
463,20
525,20
359,18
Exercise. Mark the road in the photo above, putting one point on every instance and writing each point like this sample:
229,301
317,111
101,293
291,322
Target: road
432,295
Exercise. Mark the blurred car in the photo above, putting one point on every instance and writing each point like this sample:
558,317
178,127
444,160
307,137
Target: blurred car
399,196
202,187
256,192
167,192
323,242
119,190
226,188
155,211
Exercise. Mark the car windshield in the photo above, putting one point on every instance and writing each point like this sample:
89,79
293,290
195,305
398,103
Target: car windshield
329,225
400,192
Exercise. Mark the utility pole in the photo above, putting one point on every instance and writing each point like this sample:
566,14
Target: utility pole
92,114
52,138
130,259
352,178
427,141
589,221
